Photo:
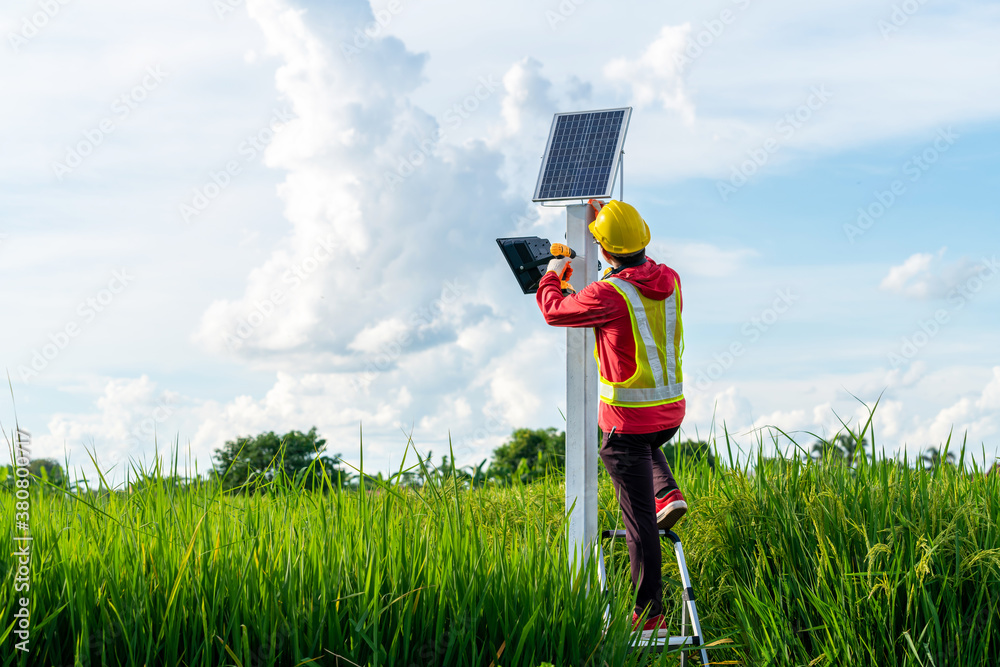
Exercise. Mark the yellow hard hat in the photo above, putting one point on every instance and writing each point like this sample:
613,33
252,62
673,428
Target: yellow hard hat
620,229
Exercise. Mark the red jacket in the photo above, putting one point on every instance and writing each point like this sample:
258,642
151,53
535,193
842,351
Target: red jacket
599,305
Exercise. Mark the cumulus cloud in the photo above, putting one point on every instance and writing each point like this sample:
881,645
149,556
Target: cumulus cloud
299,401
754,412
373,201
976,416
729,408
889,420
130,414
816,420
897,378
528,93
530,100
928,276
372,310
655,76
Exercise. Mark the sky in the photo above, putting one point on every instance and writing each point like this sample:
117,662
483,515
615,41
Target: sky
225,217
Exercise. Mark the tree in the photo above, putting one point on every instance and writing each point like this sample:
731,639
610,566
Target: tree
688,450
934,458
528,455
48,469
259,459
446,473
843,446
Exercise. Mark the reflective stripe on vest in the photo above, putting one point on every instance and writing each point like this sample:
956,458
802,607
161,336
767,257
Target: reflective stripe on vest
654,382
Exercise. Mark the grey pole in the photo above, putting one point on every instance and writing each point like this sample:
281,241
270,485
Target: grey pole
581,399
621,177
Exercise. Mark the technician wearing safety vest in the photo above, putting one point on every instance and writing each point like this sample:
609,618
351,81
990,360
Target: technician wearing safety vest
636,314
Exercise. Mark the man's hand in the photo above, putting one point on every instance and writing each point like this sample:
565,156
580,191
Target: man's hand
558,264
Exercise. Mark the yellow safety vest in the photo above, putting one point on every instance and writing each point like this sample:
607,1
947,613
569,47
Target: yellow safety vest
659,345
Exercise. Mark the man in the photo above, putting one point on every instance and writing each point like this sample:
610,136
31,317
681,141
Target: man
636,314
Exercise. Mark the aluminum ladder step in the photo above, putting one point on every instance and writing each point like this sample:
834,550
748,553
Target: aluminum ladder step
689,613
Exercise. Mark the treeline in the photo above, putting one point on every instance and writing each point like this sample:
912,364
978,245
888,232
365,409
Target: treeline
527,456
253,462
299,460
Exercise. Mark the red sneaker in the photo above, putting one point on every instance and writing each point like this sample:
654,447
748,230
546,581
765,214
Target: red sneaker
670,509
657,622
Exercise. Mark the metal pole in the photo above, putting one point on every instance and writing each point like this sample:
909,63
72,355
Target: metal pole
581,399
621,177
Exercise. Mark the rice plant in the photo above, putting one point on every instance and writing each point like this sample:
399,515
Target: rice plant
796,561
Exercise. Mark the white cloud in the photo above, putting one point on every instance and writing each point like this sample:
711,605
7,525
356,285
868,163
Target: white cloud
889,421
975,416
899,276
381,316
374,201
802,423
484,362
379,336
990,398
131,415
655,76
528,92
897,378
299,401
927,276
728,407
790,421
909,421
529,102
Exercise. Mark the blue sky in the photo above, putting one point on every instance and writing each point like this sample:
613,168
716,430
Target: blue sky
201,233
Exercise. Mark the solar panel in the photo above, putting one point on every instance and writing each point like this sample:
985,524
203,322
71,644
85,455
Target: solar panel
582,154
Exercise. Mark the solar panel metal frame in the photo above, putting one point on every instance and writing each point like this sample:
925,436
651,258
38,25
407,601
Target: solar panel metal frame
616,157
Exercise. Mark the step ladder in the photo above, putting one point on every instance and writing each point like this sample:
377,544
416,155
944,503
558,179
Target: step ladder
653,640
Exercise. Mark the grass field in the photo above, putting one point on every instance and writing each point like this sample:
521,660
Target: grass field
797,562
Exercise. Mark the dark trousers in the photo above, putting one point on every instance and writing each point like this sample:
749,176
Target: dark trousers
639,471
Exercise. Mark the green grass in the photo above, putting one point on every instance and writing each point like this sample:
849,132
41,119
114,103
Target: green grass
826,564
798,562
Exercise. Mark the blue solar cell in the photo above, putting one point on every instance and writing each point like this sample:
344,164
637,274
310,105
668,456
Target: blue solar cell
582,155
